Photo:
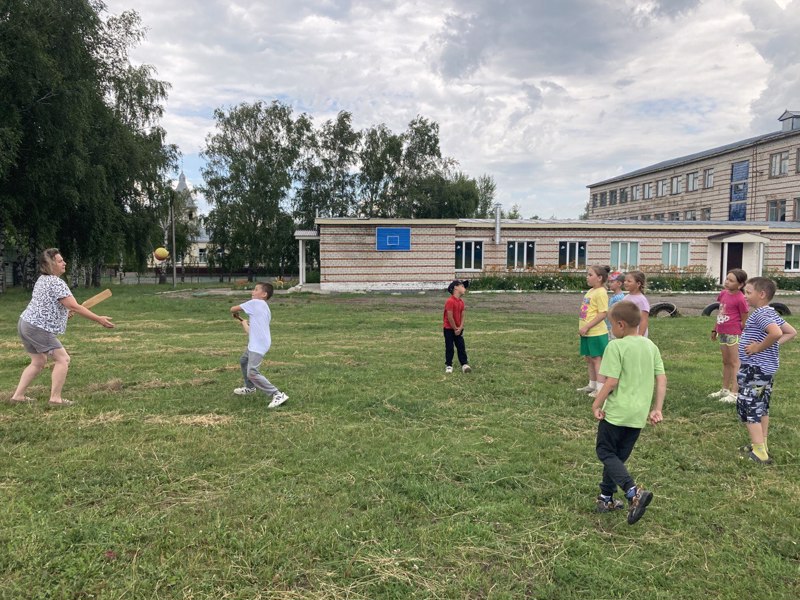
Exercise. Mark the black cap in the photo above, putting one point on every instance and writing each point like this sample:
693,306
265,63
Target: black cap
464,282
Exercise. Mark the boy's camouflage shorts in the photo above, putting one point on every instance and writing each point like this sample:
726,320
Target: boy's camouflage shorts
755,391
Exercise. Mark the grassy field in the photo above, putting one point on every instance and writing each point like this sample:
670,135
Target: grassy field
381,477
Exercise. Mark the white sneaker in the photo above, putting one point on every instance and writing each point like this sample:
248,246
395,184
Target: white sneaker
729,398
585,389
466,369
719,394
243,391
593,393
448,369
277,400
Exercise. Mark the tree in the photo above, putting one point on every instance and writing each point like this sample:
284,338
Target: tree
487,189
81,155
250,167
327,183
380,157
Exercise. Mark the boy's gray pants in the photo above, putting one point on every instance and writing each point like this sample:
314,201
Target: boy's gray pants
250,361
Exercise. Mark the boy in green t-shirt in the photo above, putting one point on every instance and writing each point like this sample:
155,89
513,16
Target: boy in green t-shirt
633,369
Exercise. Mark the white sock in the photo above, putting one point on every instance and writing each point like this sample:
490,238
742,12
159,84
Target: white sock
593,385
597,385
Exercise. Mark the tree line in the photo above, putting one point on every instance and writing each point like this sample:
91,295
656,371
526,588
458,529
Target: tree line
85,167
268,171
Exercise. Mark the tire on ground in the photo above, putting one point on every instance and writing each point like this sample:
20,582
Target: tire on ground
710,309
664,309
781,309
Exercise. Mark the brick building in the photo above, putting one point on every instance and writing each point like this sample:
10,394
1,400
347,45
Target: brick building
757,179
375,254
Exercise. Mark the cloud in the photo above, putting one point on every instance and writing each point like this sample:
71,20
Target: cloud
545,96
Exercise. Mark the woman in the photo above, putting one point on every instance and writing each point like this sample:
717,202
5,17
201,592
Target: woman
45,317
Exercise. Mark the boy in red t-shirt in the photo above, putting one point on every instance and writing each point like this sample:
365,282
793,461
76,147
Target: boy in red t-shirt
454,327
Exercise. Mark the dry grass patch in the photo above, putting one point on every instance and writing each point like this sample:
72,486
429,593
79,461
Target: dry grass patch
209,420
103,419
112,385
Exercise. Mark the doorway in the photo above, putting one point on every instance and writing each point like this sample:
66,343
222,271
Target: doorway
730,258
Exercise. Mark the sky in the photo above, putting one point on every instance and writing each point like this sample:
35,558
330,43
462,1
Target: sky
545,96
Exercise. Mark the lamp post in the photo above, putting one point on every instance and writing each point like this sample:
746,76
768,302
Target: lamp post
172,218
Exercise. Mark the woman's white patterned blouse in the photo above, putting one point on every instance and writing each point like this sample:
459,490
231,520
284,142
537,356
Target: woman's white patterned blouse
44,310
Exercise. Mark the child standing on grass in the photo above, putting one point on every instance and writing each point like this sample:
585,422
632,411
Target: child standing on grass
764,332
633,369
592,327
454,327
615,282
731,318
634,283
258,342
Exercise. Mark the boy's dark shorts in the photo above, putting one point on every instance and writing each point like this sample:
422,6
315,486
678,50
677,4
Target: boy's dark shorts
755,391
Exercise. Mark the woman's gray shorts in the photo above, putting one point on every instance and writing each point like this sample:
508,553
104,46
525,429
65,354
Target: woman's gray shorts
36,340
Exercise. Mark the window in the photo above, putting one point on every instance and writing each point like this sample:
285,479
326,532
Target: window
691,181
636,192
624,255
797,209
612,197
658,216
690,215
708,178
623,195
776,210
594,200
797,162
738,198
675,254
602,198
792,257
469,255
661,187
779,164
648,191
675,185
520,255
645,217
674,216
572,255
705,214
203,256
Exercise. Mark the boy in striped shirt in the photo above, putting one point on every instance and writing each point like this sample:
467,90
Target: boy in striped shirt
763,333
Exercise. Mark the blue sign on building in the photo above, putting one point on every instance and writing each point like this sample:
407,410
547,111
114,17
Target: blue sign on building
397,239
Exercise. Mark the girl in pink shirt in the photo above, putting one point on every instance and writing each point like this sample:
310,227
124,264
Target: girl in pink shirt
731,318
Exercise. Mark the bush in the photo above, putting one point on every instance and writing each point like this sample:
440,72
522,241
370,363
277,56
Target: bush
552,279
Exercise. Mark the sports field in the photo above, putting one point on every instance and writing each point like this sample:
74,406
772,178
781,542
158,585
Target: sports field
380,477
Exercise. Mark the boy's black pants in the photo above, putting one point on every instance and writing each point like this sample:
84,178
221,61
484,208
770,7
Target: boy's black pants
452,340
614,446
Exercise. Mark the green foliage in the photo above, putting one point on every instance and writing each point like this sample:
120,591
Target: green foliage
82,158
784,281
381,477
553,279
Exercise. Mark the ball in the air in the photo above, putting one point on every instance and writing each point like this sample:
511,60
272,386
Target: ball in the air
161,254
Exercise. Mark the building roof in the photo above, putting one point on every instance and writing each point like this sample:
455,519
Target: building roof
690,158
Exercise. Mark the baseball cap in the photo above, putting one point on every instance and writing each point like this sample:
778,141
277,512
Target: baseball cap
464,282
616,276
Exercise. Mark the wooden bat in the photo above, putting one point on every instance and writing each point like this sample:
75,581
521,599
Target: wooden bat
97,299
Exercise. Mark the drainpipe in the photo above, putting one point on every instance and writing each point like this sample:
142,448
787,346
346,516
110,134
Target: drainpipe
497,210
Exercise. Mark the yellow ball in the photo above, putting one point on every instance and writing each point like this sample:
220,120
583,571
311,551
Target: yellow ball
161,254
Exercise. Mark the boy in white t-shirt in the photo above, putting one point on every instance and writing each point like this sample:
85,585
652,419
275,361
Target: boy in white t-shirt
258,343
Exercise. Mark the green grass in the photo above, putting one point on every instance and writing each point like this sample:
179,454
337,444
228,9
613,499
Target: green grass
381,477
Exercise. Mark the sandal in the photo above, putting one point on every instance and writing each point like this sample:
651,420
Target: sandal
23,400
62,403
